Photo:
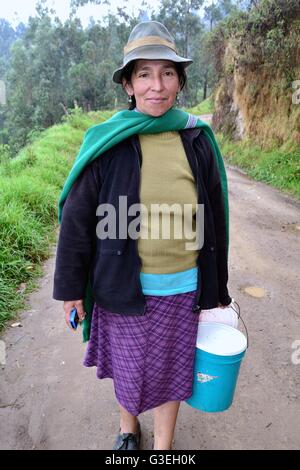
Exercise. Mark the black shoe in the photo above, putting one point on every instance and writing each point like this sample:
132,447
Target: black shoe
128,441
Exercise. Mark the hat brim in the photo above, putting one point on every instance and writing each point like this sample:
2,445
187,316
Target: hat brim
153,53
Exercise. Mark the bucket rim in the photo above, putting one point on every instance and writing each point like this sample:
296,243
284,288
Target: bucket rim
233,330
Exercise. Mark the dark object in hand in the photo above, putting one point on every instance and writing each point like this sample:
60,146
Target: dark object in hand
74,319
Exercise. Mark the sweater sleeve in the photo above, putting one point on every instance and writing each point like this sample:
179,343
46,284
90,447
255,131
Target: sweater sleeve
77,236
216,198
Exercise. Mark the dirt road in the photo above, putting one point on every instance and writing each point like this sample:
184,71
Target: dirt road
50,401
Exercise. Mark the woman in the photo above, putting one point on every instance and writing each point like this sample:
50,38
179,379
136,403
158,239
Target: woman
148,289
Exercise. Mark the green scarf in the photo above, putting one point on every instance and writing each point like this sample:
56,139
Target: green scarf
120,126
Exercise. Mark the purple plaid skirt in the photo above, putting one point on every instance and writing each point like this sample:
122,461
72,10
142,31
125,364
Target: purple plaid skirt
150,358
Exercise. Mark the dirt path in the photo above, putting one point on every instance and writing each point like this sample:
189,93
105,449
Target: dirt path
50,401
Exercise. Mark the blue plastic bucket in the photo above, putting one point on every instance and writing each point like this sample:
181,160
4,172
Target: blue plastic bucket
219,352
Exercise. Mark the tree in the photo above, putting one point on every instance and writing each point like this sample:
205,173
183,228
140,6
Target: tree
180,17
55,65
19,93
7,37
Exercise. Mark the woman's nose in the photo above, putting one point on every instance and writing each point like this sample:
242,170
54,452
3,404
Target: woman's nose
157,84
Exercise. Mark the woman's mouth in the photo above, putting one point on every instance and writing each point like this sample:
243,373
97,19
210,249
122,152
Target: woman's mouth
156,100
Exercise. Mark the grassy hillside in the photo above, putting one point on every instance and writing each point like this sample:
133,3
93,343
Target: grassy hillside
205,107
30,185
256,55
277,166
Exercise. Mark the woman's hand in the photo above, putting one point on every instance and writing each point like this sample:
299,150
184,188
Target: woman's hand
68,305
221,314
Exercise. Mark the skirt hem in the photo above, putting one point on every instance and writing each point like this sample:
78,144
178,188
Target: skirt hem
183,397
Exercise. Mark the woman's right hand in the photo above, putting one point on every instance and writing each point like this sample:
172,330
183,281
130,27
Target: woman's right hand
68,305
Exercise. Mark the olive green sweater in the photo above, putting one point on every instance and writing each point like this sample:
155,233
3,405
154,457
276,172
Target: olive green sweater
166,180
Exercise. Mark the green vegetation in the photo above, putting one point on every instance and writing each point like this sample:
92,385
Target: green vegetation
279,167
49,66
256,57
30,185
205,107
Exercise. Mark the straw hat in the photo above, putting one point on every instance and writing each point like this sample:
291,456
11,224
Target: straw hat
149,40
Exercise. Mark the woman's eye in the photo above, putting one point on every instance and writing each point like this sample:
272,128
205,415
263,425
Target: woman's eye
169,73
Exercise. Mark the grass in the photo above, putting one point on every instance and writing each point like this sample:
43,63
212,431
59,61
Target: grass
279,167
30,185
205,107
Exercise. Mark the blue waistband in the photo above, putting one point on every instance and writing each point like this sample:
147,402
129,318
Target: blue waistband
169,284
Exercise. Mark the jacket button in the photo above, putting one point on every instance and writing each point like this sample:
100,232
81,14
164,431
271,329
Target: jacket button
212,248
119,252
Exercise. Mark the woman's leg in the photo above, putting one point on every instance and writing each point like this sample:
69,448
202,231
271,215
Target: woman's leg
128,422
164,424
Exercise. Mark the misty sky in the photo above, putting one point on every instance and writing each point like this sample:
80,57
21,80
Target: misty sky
16,11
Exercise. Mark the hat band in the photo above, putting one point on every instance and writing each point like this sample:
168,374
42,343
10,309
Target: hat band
148,41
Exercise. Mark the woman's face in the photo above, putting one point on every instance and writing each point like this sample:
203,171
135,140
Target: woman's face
154,83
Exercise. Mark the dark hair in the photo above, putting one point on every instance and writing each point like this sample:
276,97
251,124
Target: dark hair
127,72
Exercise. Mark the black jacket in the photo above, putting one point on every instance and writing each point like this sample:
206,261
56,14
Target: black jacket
115,264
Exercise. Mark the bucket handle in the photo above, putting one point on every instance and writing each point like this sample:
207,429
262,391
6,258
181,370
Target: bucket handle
238,312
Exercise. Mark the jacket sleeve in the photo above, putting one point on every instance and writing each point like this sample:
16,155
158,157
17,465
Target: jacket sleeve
216,198
77,236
